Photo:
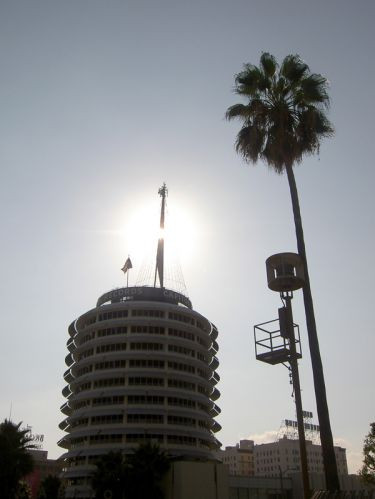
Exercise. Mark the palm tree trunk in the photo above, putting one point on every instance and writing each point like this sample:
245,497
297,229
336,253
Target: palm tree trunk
329,459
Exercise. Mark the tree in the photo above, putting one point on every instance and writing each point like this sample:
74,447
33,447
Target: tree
134,476
15,461
23,490
368,469
50,488
283,120
110,476
146,468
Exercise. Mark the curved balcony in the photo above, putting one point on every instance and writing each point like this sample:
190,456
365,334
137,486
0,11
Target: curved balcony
214,332
71,329
68,377
70,345
69,360
214,363
215,378
214,347
64,443
216,427
215,394
66,409
64,424
215,411
66,391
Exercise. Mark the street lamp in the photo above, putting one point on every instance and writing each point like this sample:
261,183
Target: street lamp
285,275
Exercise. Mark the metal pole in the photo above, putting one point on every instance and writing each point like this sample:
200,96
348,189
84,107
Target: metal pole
159,268
297,395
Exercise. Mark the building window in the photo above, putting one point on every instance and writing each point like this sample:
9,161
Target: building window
181,440
146,381
184,385
145,419
109,382
181,334
107,419
181,402
147,363
111,331
110,364
148,329
112,347
147,313
181,350
116,399
177,366
146,346
145,399
116,314
181,317
181,420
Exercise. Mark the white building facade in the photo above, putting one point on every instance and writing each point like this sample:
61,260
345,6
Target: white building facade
283,457
141,368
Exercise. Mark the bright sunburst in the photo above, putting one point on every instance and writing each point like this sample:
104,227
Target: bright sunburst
141,232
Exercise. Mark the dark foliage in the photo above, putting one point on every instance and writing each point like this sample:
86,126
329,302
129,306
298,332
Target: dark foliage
15,461
368,469
283,117
50,488
134,476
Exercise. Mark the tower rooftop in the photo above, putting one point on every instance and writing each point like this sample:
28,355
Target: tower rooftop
144,293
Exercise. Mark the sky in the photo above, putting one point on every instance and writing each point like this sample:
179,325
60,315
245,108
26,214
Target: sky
102,102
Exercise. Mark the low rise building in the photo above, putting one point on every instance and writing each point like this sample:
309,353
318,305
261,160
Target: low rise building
283,457
239,458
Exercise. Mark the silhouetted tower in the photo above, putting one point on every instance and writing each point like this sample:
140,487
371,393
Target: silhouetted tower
141,368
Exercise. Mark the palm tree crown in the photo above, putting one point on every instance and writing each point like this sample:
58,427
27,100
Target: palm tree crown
284,117
15,460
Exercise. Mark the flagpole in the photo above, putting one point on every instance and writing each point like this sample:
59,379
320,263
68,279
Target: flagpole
126,269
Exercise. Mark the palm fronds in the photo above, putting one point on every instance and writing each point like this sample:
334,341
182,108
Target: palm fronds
284,113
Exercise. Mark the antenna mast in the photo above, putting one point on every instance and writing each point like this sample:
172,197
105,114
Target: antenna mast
159,268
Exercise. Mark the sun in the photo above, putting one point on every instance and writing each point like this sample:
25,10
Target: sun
141,232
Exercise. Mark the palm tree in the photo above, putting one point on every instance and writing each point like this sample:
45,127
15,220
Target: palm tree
15,461
132,476
283,120
110,475
147,466
50,488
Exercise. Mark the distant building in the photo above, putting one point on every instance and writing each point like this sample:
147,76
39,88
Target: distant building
239,458
283,457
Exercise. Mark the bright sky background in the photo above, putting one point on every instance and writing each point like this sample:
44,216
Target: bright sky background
102,101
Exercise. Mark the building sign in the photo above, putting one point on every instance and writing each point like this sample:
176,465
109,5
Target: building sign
307,426
307,415
36,440
144,293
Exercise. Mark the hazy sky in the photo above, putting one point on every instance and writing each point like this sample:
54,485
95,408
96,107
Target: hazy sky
102,101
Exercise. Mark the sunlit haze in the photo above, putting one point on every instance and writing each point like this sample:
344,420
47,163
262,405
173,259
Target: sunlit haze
102,102
141,231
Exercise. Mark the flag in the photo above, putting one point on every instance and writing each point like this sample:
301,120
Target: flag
127,265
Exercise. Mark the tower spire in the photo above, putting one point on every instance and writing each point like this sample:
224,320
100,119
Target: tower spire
159,267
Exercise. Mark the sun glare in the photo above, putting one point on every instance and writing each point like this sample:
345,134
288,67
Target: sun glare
142,231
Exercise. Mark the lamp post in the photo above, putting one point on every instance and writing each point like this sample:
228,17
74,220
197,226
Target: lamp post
285,275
